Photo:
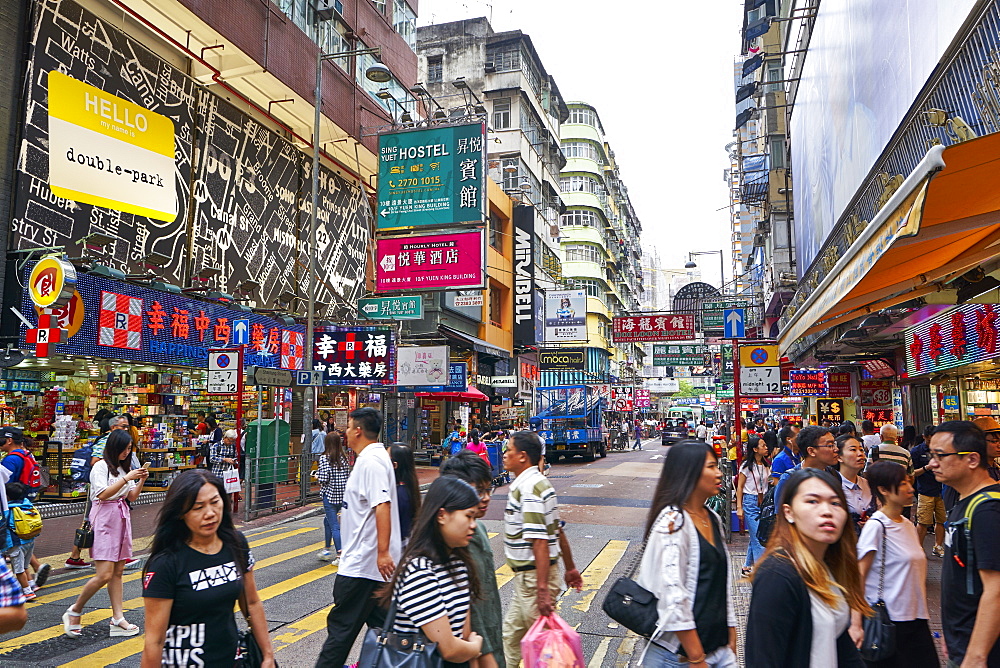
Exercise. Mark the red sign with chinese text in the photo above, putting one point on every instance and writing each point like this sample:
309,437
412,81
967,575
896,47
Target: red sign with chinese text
879,368
640,329
838,385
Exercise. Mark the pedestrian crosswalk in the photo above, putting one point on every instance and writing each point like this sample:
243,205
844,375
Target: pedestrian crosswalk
296,591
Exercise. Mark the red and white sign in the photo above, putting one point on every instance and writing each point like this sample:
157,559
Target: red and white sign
48,333
452,261
292,349
879,368
875,393
641,398
640,329
120,321
621,398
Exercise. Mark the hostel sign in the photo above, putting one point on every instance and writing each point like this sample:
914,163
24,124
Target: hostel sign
431,177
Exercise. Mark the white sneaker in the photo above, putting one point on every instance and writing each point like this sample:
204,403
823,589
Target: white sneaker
324,555
335,561
938,550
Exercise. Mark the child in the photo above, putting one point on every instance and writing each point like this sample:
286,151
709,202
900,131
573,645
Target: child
19,549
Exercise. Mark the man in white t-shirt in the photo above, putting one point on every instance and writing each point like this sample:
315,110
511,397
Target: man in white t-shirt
369,527
868,436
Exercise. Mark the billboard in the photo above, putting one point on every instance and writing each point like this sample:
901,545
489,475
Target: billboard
422,365
868,60
526,302
431,177
355,355
430,262
641,329
565,315
562,359
966,334
807,383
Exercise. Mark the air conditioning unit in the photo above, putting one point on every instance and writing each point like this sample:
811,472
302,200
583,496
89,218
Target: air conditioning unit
491,67
327,9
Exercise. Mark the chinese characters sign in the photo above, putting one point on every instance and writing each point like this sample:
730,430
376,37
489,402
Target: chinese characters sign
431,177
879,416
875,392
807,383
831,410
838,385
679,354
430,262
966,334
392,308
639,329
355,355
711,312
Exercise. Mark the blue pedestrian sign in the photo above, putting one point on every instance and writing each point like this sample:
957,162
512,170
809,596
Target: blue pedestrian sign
734,323
241,332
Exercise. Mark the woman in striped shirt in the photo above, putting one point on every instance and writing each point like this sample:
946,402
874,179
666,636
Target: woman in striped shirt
436,577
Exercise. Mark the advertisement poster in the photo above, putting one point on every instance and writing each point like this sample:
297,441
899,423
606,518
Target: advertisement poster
621,398
422,366
430,262
640,329
431,177
565,315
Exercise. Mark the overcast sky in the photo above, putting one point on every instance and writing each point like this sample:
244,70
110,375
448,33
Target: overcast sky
661,78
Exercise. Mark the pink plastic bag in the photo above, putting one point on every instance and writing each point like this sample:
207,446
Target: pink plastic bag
552,643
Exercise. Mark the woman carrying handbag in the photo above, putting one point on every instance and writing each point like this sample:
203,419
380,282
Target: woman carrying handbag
189,621
894,569
755,476
428,623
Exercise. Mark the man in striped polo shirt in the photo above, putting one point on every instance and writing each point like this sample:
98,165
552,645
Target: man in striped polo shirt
890,451
530,541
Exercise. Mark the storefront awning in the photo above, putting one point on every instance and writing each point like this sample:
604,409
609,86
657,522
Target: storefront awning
471,394
478,345
943,221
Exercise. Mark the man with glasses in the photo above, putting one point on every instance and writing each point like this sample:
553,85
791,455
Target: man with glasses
970,573
818,448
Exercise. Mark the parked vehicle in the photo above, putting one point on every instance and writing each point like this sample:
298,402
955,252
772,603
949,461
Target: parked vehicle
571,422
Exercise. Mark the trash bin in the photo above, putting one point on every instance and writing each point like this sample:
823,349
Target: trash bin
266,446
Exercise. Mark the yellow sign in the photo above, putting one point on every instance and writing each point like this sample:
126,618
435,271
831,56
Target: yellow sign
766,355
69,316
51,282
109,152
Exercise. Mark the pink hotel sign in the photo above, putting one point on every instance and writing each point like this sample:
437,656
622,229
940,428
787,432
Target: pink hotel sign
450,261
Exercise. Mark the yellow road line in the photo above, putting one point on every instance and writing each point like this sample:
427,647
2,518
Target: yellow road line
602,650
597,573
302,628
504,575
133,603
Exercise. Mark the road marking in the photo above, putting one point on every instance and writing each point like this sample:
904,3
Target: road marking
504,575
626,649
131,604
597,573
598,660
302,628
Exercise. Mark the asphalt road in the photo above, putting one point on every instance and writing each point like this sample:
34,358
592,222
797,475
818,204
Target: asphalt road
604,504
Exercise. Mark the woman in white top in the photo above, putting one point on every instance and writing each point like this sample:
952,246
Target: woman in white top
755,476
902,585
112,480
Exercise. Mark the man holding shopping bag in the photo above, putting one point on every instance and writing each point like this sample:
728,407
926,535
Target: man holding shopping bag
222,459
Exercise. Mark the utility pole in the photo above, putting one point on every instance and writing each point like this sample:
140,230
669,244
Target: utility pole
737,412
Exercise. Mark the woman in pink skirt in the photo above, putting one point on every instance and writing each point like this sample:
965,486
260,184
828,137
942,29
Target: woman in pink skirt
112,481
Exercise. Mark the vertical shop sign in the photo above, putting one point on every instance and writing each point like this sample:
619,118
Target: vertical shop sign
431,177
839,385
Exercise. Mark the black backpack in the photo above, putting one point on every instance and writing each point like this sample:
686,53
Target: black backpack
768,516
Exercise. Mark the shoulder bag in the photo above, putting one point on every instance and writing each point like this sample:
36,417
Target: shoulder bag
250,653
384,648
84,536
880,632
631,605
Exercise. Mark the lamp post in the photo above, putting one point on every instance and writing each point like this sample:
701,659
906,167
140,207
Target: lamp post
378,73
691,264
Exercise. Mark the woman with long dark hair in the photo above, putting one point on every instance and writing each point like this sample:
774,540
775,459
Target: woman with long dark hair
112,481
436,580
860,502
909,437
407,487
686,564
334,469
752,485
199,566
808,598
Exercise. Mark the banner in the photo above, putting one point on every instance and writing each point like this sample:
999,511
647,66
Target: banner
527,302
420,366
641,329
355,355
431,262
565,315
562,359
431,177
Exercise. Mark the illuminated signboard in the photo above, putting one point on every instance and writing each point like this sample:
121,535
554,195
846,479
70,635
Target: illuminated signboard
638,329
430,262
963,335
807,383
355,355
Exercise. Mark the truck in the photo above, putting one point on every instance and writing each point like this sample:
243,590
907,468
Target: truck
570,422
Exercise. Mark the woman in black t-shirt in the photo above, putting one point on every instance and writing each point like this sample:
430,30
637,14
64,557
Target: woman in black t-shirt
198,568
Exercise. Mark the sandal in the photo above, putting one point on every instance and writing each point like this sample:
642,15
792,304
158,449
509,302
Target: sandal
69,629
122,628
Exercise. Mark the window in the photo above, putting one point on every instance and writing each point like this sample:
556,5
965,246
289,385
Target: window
330,37
581,218
380,6
583,253
501,113
435,69
585,116
404,21
581,149
496,306
496,231
578,183
777,149
505,58
774,73
593,287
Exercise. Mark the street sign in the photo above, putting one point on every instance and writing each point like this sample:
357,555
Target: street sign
712,315
734,323
241,332
309,378
224,370
688,354
759,355
760,380
392,308
259,375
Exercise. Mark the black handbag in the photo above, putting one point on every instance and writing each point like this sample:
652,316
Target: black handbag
250,654
631,605
84,536
768,516
384,648
880,632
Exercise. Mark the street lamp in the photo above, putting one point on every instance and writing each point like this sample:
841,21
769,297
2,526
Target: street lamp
378,73
691,264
